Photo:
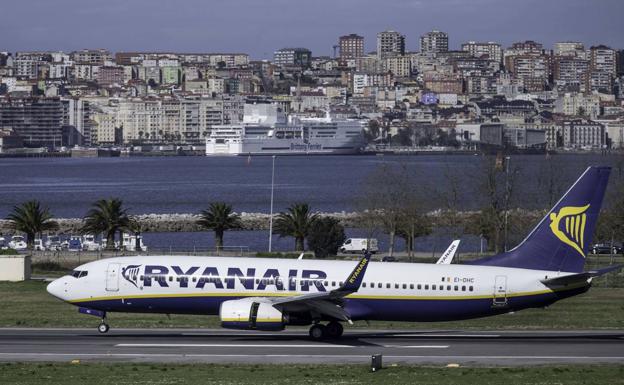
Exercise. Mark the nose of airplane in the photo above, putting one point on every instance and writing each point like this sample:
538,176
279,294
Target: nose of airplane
58,288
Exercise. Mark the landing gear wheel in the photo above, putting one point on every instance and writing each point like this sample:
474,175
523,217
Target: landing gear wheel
334,330
317,332
103,328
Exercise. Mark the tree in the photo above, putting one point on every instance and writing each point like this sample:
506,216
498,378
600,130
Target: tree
389,197
219,217
296,222
413,224
31,219
496,190
109,217
325,237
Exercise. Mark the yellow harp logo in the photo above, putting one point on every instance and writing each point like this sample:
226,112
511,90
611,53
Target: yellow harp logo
569,226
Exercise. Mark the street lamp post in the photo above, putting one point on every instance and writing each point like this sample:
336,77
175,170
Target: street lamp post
507,161
271,214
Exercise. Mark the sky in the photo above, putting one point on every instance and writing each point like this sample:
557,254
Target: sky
259,27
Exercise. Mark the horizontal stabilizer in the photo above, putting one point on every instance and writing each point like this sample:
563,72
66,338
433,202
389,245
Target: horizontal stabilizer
584,277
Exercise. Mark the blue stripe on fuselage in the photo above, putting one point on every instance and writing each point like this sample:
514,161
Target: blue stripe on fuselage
359,308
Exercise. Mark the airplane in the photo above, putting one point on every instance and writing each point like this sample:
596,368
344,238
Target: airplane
447,257
270,294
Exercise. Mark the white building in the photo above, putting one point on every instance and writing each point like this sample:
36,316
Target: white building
578,104
492,49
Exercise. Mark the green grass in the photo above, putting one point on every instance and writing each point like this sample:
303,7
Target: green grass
127,373
27,304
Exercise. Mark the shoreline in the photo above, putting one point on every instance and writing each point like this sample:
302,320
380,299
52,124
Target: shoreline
185,222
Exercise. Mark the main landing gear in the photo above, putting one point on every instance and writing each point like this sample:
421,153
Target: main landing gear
332,330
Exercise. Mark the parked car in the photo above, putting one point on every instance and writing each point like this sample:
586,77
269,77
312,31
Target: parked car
89,243
18,243
607,248
39,244
74,244
358,245
53,243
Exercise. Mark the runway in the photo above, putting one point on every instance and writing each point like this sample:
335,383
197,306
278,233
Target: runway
293,346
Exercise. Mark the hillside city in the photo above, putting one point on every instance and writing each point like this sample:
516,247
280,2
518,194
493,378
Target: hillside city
525,96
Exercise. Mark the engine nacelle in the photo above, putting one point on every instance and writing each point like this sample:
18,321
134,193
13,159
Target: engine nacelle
250,313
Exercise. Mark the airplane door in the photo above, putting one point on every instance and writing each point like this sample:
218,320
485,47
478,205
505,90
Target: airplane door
112,277
500,291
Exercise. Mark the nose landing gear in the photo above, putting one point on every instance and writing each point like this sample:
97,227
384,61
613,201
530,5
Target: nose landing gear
103,327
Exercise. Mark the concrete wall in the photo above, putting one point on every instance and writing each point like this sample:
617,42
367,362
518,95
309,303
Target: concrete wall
14,268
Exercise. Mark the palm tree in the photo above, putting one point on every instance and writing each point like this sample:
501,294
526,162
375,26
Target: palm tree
107,216
219,217
31,219
295,223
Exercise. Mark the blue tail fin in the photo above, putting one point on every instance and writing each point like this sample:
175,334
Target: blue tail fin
562,238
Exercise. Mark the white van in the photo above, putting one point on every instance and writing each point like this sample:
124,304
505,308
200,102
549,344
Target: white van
359,245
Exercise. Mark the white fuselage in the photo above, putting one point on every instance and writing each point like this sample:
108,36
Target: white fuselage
391,291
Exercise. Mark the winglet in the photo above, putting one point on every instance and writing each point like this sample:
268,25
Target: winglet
301,256
353,282
448,255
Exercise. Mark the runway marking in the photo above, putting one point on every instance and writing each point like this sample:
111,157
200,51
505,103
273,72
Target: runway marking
307,356
231,346
449,335
418,346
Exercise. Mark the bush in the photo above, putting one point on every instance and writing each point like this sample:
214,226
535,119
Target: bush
48,266
325,237
8,252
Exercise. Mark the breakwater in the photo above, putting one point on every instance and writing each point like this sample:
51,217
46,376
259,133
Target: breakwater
171,223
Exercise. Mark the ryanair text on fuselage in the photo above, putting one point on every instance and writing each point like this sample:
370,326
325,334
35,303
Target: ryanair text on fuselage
234,279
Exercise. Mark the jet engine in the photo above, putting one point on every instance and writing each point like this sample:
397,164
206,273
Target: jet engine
251,313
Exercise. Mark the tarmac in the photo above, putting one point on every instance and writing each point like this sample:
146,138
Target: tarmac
436,347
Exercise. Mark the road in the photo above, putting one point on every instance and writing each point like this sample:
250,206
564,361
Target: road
293,346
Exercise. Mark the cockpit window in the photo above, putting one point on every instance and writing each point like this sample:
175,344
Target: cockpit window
79,273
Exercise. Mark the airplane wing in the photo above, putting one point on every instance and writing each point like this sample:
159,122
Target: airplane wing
448,255
327,303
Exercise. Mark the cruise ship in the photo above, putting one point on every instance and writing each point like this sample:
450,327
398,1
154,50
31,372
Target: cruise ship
268,131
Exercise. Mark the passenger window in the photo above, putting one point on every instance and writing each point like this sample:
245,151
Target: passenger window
441,287
456,288
142,278
433,287
463,288
404,286
379,285
170,278
363,284
388,286
442,279
396,285
333,283
325,283
412,286
448,288
419,286
340,283
194,279
470,288
426,287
